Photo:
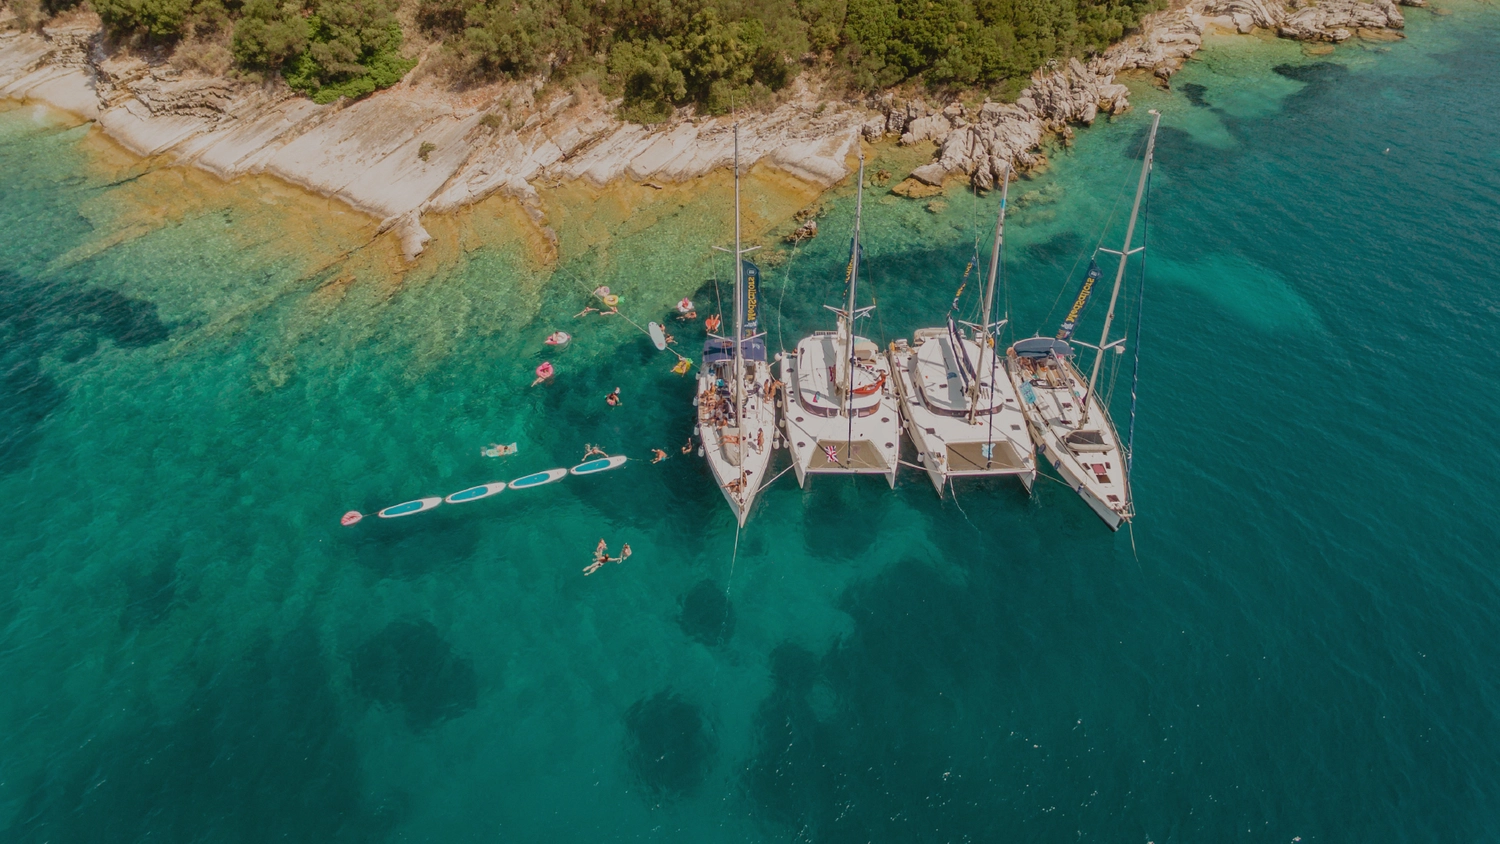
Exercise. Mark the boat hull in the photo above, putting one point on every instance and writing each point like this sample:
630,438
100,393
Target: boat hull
1000,445
867,444
738,455
1054,409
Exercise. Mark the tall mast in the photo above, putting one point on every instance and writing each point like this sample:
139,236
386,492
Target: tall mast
859,204
739,313
1124,254
989,294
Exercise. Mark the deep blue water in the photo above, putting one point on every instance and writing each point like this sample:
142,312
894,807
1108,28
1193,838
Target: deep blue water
1298,640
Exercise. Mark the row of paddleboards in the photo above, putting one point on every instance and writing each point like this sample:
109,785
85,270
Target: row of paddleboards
475,493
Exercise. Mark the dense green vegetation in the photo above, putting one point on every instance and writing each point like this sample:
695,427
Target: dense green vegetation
661,54
325,48
657,54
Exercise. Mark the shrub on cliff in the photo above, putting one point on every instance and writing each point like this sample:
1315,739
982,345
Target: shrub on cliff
659,54
160,19
976,42
326,49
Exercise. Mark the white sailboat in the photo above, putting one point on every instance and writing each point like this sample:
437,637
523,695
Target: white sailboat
957,400
1069,422
736,411
840,410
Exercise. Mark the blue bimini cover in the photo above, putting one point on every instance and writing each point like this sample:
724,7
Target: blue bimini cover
716,350
1041,347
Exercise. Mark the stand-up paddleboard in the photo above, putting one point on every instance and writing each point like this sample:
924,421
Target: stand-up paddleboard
539,479
603,464
396,511
474,493
658,336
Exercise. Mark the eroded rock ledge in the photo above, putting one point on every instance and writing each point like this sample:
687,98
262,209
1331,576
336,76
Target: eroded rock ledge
411,149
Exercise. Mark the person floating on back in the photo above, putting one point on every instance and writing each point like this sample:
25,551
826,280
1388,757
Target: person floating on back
601,556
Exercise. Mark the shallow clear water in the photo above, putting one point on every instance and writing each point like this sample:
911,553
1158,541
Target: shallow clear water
1299,639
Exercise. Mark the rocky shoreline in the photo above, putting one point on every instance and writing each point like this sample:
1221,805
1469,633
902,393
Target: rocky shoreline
416,149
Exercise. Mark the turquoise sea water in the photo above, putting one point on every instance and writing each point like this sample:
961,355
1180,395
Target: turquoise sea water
1300,639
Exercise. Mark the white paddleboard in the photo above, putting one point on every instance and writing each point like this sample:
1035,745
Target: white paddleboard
396,511
474,493
603,464
658,336
539,478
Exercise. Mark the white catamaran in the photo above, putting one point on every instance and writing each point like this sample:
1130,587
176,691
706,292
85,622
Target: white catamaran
840,413
957,400
736,412
1069,422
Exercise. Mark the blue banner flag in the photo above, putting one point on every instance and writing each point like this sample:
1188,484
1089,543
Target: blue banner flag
1066,332
751,276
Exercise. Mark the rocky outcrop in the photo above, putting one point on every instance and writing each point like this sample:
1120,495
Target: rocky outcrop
1331,20
982,145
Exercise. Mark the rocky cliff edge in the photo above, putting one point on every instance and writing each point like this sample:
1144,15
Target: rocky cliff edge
414,149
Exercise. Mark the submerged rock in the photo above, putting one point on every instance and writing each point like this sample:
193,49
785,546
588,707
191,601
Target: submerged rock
668,743
408,664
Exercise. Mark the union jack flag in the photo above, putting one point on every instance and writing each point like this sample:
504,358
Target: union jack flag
833,453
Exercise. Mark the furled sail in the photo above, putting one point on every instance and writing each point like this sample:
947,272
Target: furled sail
966,369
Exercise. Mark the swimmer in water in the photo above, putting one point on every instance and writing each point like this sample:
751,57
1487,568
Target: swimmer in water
660,455
613,399
589,450
601,556
624,553
585,311
687,448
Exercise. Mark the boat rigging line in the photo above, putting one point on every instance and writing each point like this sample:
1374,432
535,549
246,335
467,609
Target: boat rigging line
1135,373
1125,252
